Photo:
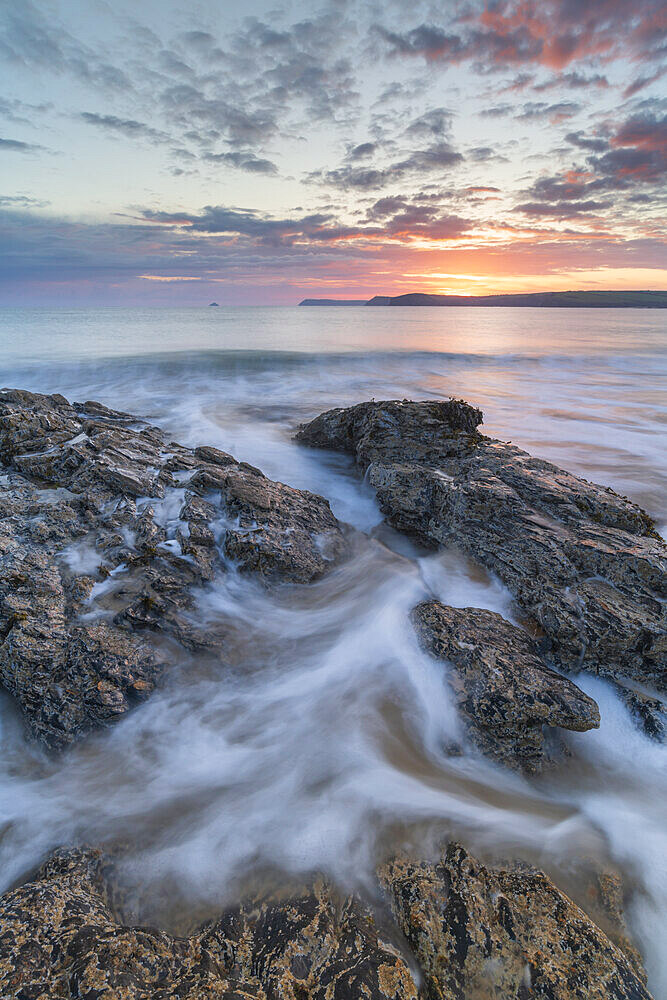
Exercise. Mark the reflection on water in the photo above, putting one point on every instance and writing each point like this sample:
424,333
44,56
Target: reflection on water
319,734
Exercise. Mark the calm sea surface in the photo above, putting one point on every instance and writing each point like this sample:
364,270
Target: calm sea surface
318,742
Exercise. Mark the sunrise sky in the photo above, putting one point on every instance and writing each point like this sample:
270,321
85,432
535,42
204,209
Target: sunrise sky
163,153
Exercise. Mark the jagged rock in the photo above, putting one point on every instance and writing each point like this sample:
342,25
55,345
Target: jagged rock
503,689
582,561
106,528
507,933
649,712
61,938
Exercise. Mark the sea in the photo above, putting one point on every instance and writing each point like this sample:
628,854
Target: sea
319,740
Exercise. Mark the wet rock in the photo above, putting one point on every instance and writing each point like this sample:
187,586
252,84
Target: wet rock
62,937
583,562
504,691
106,528
649,712
501,932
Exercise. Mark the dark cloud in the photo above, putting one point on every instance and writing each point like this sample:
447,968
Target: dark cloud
482,153
643,81
574,80
105,262
562,209
127,127
533,111
16,146
388,217
551,33
498,111
434,123
638,152
362,151
635,153
21,201
243,161
594,144
31,40
553,113
434,158
399,216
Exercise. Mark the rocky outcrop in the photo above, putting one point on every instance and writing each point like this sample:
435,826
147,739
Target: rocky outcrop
504,691
583,562
105,529
61,938
648,712
503,932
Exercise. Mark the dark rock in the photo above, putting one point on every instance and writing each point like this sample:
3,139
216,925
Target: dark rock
503,689
104,521
503,932
62,937
582,561
649,712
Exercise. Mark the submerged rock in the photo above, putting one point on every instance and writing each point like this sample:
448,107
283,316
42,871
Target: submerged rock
61,937
583,562
503,689
105,529
503,932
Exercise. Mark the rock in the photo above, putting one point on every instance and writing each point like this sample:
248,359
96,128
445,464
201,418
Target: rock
499,932
105,529
583,562
61,937
503,689
649,712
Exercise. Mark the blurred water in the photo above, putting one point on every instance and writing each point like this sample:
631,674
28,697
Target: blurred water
318,737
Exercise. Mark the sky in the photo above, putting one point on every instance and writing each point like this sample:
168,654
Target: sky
161,153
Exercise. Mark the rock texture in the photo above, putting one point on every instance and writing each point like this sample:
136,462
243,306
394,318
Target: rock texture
650,713
503,689
61,938
105,528
503,933
583,562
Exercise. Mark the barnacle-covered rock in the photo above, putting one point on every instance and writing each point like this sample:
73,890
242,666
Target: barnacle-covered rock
62,938
505,933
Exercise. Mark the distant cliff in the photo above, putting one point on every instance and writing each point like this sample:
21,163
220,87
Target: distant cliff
334,302
637,300
595,299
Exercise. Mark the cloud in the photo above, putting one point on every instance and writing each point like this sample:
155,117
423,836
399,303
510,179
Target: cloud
574,80
643,81
550,33
243,161
30,40
16,146
21,201
123,126
635,153
436,122
434,158
591,143
554,113
47,258
498,111
362,151
562,209
638,152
